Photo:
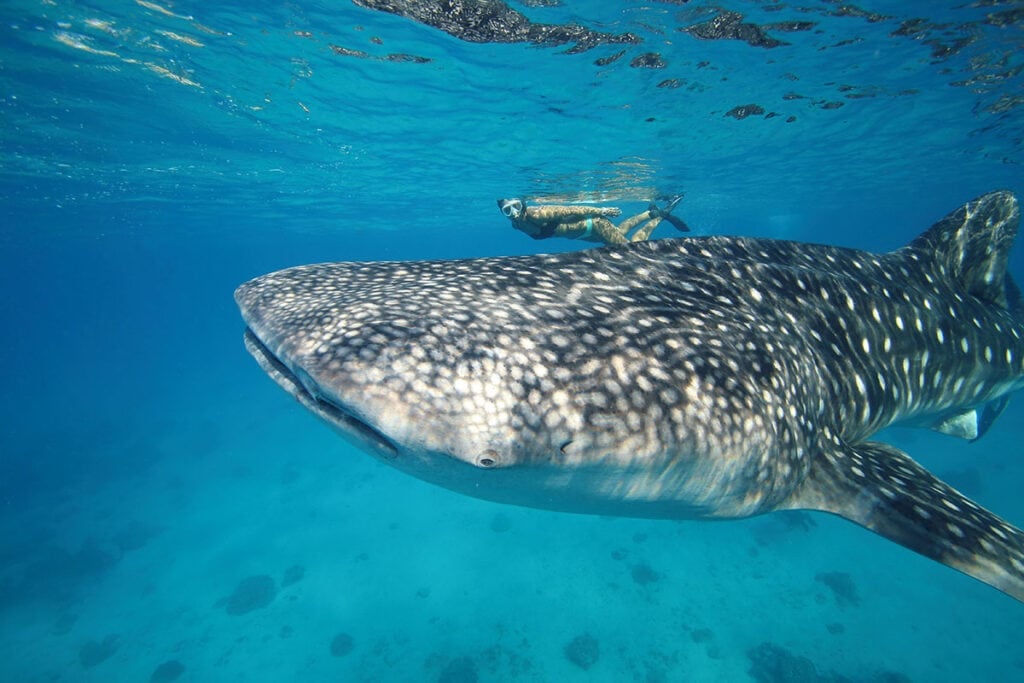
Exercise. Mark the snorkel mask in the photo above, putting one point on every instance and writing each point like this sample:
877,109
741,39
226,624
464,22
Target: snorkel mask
512,208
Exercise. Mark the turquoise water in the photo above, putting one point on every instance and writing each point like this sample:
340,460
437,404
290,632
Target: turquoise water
153,156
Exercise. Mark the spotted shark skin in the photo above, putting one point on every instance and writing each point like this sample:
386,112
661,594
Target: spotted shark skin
712,377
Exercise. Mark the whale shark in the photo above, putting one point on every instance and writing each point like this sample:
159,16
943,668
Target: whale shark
700,377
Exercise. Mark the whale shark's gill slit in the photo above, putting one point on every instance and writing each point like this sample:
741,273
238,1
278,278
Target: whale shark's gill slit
305,391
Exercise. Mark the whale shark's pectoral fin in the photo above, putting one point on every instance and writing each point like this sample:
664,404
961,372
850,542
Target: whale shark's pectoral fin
972,424
883,489
962,425
989,413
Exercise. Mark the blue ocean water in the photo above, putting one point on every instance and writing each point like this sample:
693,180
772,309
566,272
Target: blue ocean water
169,514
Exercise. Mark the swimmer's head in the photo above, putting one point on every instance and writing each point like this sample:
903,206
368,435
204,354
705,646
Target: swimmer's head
512,208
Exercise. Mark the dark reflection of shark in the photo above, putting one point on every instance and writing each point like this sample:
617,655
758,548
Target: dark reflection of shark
701,377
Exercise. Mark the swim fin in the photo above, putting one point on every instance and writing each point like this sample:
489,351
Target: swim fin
677,223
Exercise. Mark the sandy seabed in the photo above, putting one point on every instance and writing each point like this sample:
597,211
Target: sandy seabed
249,543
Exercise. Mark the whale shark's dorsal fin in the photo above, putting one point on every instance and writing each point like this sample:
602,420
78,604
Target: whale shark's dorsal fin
972,246
881,488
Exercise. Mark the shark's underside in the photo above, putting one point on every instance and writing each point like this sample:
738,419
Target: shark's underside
697,377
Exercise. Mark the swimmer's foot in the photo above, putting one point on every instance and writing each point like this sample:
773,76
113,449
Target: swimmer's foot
666,213
671,205
663,213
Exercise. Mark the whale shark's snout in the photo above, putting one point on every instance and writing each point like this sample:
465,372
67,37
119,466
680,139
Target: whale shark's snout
382,380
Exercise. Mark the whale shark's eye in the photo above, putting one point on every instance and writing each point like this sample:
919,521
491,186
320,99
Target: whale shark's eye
488,458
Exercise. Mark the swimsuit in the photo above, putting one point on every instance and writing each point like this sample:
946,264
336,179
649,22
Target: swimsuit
544,231
589,231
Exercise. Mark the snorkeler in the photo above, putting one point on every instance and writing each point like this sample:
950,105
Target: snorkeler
589,223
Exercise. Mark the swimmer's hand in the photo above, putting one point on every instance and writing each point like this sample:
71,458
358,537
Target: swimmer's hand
611,211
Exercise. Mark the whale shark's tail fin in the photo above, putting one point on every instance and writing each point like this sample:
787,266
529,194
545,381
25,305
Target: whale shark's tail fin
881,488
972,246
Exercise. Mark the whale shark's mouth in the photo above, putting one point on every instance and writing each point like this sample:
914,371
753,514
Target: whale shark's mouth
305,391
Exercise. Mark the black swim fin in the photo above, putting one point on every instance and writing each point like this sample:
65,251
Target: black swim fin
677,223
666,213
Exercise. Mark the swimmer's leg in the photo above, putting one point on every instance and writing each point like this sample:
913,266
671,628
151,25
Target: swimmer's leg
633,221
603,230
645,230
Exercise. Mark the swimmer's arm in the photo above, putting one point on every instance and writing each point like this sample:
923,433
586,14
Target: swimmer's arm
563,213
